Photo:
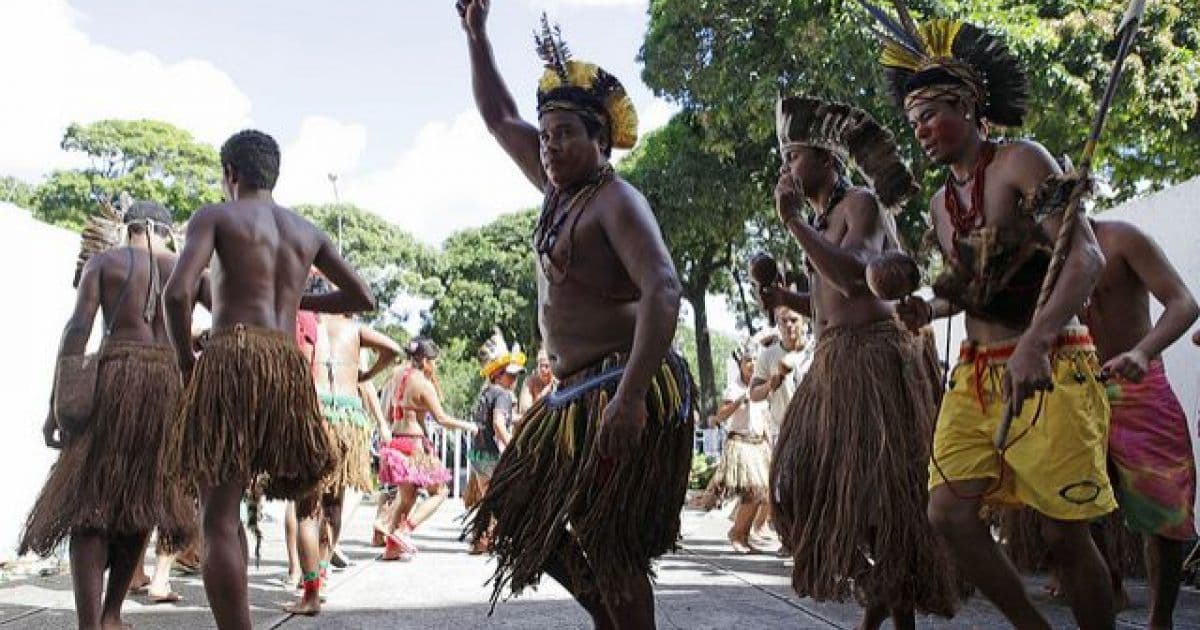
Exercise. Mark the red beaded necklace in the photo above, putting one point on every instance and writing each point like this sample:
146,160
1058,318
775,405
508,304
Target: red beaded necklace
967,219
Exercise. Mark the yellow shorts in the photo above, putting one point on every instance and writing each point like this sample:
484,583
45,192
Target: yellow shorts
1055,461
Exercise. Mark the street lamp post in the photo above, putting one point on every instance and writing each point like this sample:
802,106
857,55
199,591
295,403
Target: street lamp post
338,203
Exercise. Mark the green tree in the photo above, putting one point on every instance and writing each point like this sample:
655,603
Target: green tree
391,259
487,281
721,348
15,191
703,214
728,61
149,159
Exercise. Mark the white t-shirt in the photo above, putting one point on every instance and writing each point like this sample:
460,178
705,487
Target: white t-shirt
767,364
750,417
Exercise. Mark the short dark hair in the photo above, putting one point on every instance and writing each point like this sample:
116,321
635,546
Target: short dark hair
254,157
141,212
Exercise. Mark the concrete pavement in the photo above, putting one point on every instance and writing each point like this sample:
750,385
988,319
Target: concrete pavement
705,585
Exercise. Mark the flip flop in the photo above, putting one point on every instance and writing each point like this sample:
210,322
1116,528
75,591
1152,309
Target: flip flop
185,567
170,597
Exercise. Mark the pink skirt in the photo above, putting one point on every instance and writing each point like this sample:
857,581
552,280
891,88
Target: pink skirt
409,460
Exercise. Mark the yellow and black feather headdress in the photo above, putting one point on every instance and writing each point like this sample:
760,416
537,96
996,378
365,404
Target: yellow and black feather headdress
852,135
949,53
583,87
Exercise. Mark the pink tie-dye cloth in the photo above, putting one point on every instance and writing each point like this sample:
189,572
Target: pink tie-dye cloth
1151,449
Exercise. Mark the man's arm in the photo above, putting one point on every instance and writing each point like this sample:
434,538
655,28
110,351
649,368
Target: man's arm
634,235
727,408
1029,367
386,350
1162,280
843,265
352,294
75,337
179,296
518,138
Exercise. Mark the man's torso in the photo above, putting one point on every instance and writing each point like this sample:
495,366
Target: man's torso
1002,199
587,304
829,306
262,253
1118,312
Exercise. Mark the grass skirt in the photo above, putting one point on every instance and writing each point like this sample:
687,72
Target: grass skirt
112,478
553,499
351,431
1021,539
849,473
743,472
251,409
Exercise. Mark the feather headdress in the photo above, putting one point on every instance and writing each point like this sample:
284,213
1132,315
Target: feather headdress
951,54
496,356
852,135
101,231
572,85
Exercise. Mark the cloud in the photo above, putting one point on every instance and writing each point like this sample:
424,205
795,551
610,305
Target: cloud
452,176
56,76
322,147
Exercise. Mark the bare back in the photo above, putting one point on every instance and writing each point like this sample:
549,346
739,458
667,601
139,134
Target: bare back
336,356
126,318
262,253
410,401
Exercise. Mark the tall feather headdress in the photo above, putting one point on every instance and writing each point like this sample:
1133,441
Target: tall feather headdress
853,136
951,54
579,86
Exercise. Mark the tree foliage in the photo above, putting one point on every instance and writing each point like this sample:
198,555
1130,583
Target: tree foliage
728,62
15,191
390,258
487,280
149,159
703,213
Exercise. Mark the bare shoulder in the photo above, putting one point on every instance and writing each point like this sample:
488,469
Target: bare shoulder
861,205
623,198
1023,151
208,216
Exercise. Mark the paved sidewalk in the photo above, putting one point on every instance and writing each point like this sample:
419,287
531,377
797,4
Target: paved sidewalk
703,586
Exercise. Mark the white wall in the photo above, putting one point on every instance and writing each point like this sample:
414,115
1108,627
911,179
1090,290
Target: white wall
39,262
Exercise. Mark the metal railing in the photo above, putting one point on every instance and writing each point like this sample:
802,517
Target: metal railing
453,443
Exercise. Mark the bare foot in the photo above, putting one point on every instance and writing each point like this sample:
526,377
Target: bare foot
741,545
164,597
139,584
309,607
116,624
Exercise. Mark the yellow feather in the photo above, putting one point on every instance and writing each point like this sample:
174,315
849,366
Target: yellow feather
939,36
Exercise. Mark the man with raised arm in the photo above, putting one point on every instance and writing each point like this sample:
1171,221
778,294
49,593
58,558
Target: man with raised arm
591,487
250,407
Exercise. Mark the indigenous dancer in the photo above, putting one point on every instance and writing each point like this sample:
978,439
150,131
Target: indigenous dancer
336,355
110,486
408,460
493,414
848,473
1150,447
955,81
745,466
537,385
591,488
250,407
